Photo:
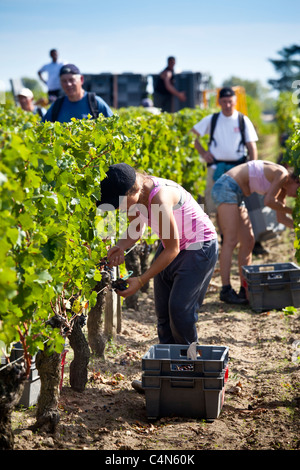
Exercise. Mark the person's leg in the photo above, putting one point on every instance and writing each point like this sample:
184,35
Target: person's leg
246,239
162,292
192,271
162,289
209,205
229,216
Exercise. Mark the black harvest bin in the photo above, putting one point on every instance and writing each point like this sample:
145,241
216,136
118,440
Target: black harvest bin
272,286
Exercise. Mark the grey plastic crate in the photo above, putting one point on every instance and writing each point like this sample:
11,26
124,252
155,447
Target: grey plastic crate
31,392
32,385
196,397
171,359
272,286
263,219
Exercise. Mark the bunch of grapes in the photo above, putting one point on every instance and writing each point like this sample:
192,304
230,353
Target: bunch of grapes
119,284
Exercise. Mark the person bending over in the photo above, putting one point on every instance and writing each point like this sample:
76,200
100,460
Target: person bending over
186,257
270,179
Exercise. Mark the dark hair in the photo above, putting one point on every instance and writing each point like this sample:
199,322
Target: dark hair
293,175
119,179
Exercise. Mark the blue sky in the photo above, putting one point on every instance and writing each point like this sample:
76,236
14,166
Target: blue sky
222,38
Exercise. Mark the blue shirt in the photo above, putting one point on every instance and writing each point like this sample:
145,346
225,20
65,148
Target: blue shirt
77,109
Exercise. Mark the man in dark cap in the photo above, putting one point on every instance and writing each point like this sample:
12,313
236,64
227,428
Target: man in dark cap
77,103
233,138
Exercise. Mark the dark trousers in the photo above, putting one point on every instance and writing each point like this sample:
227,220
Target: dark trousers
54,94
164,102
180,289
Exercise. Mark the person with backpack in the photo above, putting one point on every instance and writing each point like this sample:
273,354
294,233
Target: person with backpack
232,137
77,103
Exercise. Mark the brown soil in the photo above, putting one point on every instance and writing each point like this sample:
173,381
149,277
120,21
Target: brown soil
261,407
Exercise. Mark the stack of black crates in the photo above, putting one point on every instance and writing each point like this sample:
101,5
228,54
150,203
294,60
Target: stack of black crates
272,286
118,91
176,385
129,89
101,84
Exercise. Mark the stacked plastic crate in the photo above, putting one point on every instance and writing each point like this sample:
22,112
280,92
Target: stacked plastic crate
101,84
272,286
130,90
176,385
32,385
190,83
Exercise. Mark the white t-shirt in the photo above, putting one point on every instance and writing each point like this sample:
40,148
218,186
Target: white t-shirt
227,136
52,69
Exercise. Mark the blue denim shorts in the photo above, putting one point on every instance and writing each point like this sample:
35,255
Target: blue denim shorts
226,190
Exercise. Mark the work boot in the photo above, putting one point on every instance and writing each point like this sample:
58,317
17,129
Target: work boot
242,293
137,385
229,296
259,249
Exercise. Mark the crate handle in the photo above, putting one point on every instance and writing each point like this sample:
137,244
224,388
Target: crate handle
182,383
280,282
182,367
274,286
275,276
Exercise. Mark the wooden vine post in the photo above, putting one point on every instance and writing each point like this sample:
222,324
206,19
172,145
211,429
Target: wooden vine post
113,312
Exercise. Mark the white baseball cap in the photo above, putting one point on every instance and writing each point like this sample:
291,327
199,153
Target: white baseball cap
26,92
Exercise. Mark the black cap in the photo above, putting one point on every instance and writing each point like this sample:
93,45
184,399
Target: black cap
119,179
226,92
69,68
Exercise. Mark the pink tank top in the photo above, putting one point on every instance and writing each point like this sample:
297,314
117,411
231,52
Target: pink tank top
258,183
193,223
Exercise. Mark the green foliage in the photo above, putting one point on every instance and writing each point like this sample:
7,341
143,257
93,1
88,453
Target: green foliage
286,109
292,158
288,66
49,181
34,85
253,88
166,145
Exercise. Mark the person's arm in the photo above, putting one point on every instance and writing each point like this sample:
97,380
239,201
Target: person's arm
170,239
275,196
169,235
205,154
166,76
41,77
284,219
252,150
116,254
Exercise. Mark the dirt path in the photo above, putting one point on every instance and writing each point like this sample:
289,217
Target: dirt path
261,408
